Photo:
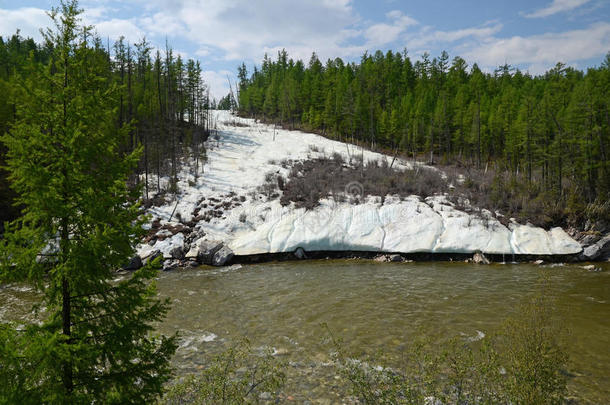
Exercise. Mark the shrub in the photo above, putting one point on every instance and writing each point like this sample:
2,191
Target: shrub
311,180
522,363
236,376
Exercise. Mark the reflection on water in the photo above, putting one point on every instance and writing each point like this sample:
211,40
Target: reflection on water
372,307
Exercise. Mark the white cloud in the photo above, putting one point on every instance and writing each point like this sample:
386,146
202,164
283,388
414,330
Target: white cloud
421,41
96,13
244,29
383,33
545,49
557,6
476,32
163,24
28,20
116,28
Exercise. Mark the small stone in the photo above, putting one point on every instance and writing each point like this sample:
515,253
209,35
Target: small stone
280,352
134,264
299,253
170,264
479,258
539,262
396,258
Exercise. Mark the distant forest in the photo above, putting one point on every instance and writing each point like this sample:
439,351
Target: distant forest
161,95
550,134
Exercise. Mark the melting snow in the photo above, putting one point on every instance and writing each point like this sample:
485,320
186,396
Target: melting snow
241,157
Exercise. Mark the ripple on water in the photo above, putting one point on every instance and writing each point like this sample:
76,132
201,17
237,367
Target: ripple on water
192,341
372,307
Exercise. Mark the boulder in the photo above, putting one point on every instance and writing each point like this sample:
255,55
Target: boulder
395,258
206,249
195,235
192,253
134,264
479,258
191,263
152,256
170,264
222,256
299,253
177,253
599,251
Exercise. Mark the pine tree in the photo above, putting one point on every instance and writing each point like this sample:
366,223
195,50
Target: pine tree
94,342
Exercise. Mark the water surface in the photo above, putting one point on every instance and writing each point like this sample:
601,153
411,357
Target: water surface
372,307
376,307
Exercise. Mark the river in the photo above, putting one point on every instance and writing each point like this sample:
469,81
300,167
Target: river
372,307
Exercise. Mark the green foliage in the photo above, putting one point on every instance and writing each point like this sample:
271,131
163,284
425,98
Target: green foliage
236,376
530,350
163,100
94,342
551,130
522,363
226,103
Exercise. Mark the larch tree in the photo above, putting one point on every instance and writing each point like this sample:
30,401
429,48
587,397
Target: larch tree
94,340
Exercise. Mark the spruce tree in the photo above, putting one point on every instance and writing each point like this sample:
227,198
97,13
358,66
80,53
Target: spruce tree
79,223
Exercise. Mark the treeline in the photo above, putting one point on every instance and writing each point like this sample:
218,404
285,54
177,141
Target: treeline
161,96
550,131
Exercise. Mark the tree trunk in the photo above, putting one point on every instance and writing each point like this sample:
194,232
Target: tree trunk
478,130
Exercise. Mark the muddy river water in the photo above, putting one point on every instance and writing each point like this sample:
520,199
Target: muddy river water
372,307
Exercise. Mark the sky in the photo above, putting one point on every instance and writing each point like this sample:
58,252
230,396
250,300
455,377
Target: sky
532,35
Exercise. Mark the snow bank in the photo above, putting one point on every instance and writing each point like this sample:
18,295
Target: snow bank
238,162
407,226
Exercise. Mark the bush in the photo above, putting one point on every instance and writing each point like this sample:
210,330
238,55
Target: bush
311,180
522,363
236,376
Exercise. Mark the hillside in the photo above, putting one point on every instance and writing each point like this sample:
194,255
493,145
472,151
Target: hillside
234,200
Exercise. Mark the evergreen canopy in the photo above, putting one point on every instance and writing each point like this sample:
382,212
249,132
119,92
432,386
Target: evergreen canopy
79,224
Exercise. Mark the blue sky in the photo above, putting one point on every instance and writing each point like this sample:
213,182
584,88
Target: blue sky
532,35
